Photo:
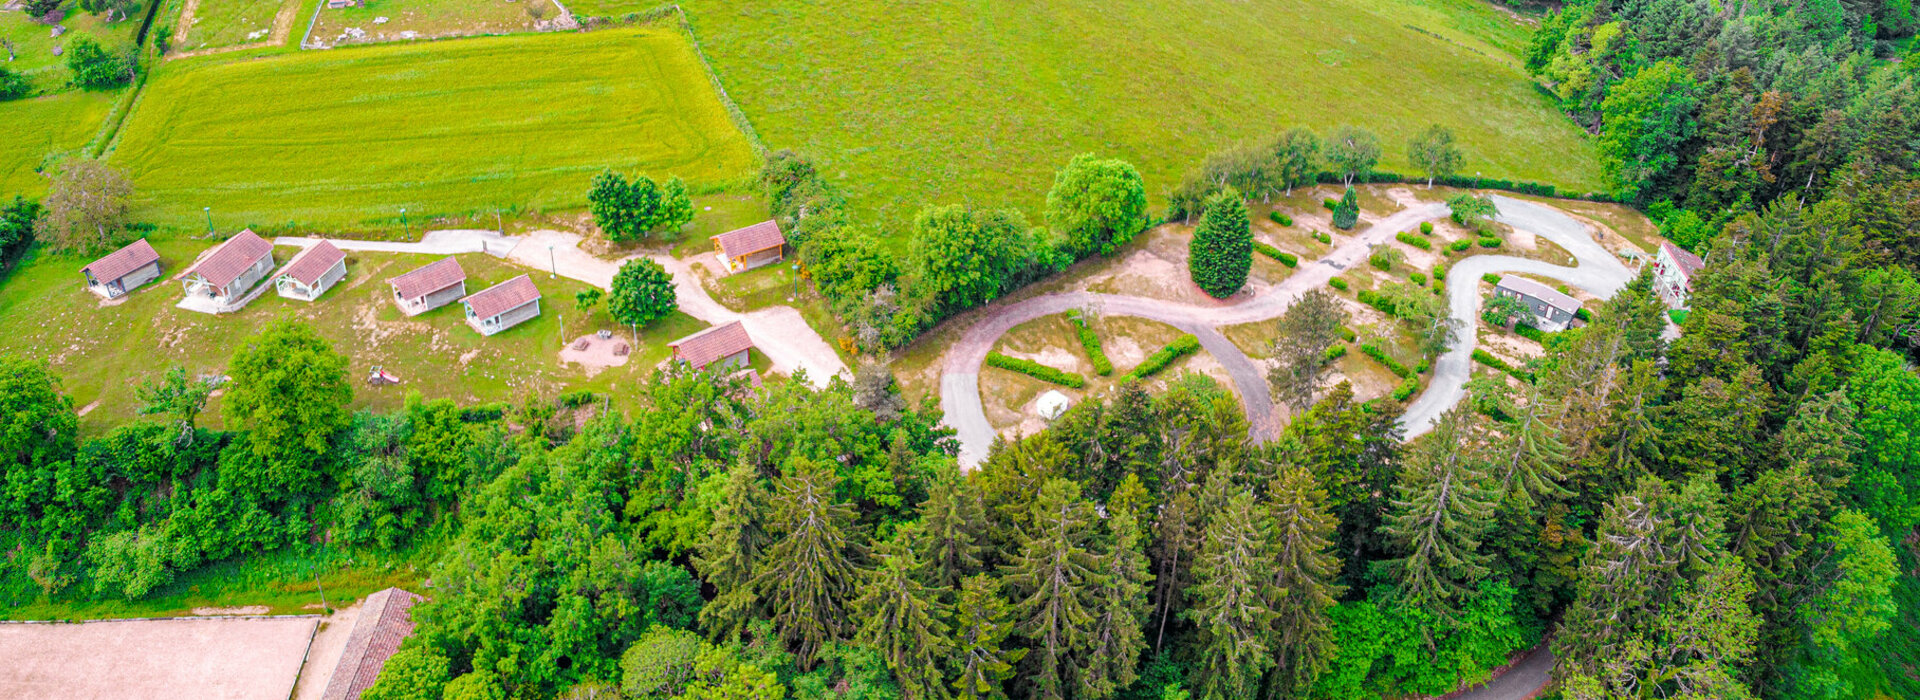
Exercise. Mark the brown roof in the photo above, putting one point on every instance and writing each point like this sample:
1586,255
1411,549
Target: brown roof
751,239
117,264
383,623
1689,263
701,349
307,267
224,265
503,297
438,275
1553,297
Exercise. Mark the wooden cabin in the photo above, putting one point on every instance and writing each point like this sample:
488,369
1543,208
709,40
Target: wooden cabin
438,284
727,345
228,277
123,270
312,272
503,305
754,246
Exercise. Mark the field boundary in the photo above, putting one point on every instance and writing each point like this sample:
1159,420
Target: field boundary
192,618
734,112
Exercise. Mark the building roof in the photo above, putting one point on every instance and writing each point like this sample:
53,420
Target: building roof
117,264
435,276
503,297
701,349
1689,263
751,239
1552,296
226,263
307,267
384,621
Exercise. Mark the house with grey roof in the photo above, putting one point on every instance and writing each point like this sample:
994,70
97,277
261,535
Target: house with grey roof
312,272
503,305
1552,309
228,277
123,270
430,287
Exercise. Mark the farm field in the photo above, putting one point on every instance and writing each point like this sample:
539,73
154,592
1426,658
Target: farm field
343,140
44,125
983,102
104,352
218,23
33,42
426,19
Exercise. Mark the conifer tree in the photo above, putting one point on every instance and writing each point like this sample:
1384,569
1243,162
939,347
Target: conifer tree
727,556
981,662
949,536
1820,440
905,622
1351,448
1176,536
1529,455
1444,502
1233,601
1347,213
1119,609
1053,580
1626,574
808,576
1221,252
1304,573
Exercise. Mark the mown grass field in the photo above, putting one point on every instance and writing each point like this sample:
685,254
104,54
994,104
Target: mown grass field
342,140
41,126
104,352
217,23
428,19
950,101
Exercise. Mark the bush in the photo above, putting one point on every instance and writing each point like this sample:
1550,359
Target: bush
1439,286
1287,259
1279,218
1413,240
1337,283
1392,365
1407,388
1679,316
1375,300
95,67
1180,347
13,84
1221,253
1335,352
1090,342
1460,245
1348,212
1348,333
1423,366
1487,358
1419,278
1035,370
1490,278
1584,315
483,413
1530,333
1323,237
576,398
1330,204
1489,242
1426,228
1439,272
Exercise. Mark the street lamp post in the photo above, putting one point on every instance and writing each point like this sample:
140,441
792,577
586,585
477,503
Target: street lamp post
408,225
553,268
209,212
796,278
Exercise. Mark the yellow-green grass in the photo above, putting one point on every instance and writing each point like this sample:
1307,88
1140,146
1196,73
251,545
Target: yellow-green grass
34,42
42,127
428,19
104,352
218,23
610,8
344,139
287,582
983,101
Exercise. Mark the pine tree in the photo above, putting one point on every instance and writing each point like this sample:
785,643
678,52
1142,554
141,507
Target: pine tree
1820,440
905,622
1445,501
1233,601
1351,447
727,556
1304,573
1347,213
1221,252
949,536
981,662
1529,455
1053,580
1119,609
1627,574
808,576
1176,536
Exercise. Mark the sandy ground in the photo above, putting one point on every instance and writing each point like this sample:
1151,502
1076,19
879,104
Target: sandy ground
324,654
598,354
188,658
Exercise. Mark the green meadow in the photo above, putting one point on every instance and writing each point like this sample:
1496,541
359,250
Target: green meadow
982,101
344,139
42,126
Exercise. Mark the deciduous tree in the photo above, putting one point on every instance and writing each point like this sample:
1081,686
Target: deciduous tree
1434,153
642,293
87,208
1352,151
1099,205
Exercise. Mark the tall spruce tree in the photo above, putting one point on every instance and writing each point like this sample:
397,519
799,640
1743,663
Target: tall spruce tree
1304,573
1119,609
1221,253
1233,601
948,540
727,556
1443,505
1627,574
905,622
1528,456
981,661
808,576
1053,580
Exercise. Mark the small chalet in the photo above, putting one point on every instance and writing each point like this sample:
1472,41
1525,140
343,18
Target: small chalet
438,284
503,305
224,279
123,270
385,620
754,246
1673,272
727,345
312,272
1552,310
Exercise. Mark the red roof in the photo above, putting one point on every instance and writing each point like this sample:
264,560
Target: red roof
225,264
117,264
503,297
1689,263
307,267
703,348
751,239
438,275
384,621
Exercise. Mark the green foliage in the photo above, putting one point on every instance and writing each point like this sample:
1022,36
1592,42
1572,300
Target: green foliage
1347,212
1413,240
1383,648
1339,283
981,659
1460,245
1279,218
1486,358
1234,610
1090,343
1434,153
624,210
807,578
1099,205
1645,118
1180,347
1489,242
961,258
290,393
1323,237
1501,309
415,672
1221,253
1285,258
1417,277
642,292
1395,366
1352,152
1035,370
1426,228
1473,212
675,209
1051,580
95,67
1385,257
13,84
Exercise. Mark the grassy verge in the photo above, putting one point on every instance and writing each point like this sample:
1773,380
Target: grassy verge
286,582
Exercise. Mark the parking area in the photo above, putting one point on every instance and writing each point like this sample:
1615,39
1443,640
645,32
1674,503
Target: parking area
155,659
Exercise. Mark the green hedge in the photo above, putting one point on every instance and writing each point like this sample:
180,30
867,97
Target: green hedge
1180,347
1323,237
1489,242
1487,358
1330,204
1413,240
1279,218
1423,366
1460,245
1584,315
1287,259
1490,278
1374,300
1419,278
1035,370
1392,365
1337,283
1090,341
1407,388
1679,316
1335,352
1529,332
1348,333
1426,228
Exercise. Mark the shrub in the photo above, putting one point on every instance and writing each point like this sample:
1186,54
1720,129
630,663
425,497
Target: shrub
1221,252
1407,388
1424,366
1439,272
1392,365
1530,333
1323,237
1489,242
1035,370
1090,342
1375,300
1439,286
1287,259
1460,245
1413,240
1679,316
1490,278
576,398
1348,212
96,67
1180,347
1337,283
1279,218
13,85
1335,352
1426,228
1487,358
1348,333
1419,278
1330,204
1584,315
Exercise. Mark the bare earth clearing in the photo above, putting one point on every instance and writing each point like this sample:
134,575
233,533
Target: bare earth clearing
186,658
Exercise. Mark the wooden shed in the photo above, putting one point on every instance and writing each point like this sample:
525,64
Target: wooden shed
123,270
754,246
312,272
226,277
503,305
437,284
726,345
385,620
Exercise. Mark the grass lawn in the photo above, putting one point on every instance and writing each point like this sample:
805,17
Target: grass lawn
426,19
218,23
103,353
342,140
287,581
42,126
984,101
34,42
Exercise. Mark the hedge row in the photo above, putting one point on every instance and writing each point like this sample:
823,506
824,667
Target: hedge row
1337,283
1472,183
1529,332
1348,333
1376,301
1460,245
1392,365
1490,278
1090,341
1413,240
1487,358
1406,388
1323,237
1335,352
1035,370
1285,258
1279,218
1489,242
1180,347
